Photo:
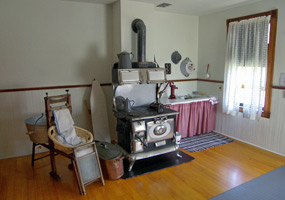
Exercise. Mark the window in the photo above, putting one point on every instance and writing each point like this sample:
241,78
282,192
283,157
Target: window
249,64
244,83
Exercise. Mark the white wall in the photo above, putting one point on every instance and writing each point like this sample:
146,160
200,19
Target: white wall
55,42
116,11
47,43
165,33
131,10
15,107
267,133
176,32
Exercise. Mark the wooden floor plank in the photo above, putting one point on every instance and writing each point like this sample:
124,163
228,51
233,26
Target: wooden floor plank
213,171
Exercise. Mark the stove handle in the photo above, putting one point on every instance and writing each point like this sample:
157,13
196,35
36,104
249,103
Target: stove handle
144,144
160,120
164,120
103,145
157,122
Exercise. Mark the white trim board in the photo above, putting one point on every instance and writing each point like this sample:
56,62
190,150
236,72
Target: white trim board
248,143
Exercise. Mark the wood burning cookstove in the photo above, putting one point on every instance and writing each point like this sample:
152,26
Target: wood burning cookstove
145,128
145,132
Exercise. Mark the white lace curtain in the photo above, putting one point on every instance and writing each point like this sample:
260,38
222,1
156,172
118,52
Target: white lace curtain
245,67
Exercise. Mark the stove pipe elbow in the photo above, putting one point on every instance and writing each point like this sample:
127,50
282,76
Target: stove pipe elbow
138,27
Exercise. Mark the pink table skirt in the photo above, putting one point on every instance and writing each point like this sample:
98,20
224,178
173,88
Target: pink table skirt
195,118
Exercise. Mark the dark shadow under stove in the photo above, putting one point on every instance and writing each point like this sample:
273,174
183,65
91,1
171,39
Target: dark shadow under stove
155,163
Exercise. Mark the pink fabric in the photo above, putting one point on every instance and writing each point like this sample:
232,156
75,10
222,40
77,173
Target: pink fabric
195,118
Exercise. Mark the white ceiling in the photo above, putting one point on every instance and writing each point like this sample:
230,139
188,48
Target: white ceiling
190,7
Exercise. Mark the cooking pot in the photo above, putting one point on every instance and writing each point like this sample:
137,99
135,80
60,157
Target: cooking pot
125,60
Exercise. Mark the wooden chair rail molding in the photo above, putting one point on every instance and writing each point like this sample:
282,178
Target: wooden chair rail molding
212,81
50,87
110,84
278,87
73,86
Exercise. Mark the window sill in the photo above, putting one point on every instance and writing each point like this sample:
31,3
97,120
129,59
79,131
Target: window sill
263,114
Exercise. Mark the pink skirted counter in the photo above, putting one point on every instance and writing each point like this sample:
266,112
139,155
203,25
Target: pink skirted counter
196,116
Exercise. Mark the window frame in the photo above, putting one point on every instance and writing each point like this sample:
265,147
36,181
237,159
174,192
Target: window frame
270,56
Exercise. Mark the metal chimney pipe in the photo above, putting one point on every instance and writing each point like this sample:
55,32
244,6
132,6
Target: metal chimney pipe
138,27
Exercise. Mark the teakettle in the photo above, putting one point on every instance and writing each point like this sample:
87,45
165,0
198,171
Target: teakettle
125,60
128,105
123,104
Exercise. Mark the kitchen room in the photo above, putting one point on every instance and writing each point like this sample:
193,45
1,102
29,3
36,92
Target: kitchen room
46,44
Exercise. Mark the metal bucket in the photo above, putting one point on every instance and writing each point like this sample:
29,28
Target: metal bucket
37,129
111,160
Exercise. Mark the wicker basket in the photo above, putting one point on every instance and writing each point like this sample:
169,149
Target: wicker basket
80,132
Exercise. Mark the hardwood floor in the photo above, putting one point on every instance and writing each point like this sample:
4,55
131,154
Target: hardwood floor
213,171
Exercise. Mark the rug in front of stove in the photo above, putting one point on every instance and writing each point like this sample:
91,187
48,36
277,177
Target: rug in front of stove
203,141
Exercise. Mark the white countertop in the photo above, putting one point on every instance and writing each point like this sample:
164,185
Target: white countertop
166,101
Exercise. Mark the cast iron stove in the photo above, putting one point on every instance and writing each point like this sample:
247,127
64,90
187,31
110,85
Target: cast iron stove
145,129
146,132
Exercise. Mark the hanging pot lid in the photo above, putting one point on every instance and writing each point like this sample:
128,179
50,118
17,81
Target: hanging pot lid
107,151
187,67
175,57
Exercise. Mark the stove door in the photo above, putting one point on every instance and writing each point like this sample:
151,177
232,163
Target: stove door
160,130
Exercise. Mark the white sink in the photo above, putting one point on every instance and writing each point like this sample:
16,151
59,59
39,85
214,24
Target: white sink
166,101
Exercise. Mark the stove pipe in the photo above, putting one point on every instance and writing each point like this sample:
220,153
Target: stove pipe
138,27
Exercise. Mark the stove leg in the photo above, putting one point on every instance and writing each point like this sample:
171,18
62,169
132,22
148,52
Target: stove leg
131,163
178,154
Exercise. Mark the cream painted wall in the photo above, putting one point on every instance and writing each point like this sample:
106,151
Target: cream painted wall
266,133
176,32
131,10
15,107
54,42
116,11
165,33
46,43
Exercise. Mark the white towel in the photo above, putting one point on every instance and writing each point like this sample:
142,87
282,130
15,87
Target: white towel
64,125
63,120
214,100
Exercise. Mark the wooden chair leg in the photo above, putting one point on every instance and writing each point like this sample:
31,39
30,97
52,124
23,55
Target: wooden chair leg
33,153
52,161
70,166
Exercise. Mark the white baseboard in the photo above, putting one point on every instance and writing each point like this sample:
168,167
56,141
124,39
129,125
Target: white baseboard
249,143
